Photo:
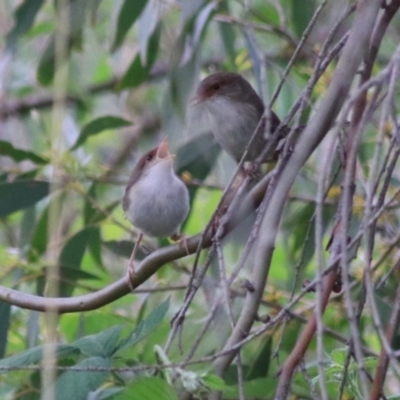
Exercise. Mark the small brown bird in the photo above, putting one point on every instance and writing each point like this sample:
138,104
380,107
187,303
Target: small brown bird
232,110
156,201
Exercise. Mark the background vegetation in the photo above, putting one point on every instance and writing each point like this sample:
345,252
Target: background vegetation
85,88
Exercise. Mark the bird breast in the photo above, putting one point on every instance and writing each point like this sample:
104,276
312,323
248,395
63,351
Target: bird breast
158,202
233,124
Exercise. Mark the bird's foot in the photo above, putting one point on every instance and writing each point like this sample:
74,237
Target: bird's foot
131,267
253,171
182,239
130,275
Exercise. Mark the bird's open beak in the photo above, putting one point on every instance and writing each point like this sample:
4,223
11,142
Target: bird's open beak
163,150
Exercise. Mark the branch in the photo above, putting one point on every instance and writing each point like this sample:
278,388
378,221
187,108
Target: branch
304,340
18,106
12,107
149,266
104,296
392,328
331,104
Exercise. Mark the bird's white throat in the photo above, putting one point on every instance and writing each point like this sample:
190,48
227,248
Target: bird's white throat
158,201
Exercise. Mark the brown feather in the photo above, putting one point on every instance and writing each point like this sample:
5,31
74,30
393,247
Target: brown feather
136,173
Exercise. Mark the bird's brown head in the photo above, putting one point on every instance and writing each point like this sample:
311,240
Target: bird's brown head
155,156
155,161
228,84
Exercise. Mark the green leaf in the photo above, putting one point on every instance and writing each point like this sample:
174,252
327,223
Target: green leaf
35,355
383,306
290,336
41,28
46,68
24,18
147,26
192,33
47,64
28,222
70,275
148,388
123,248
103,344
338,356
91,214
261,388
300,220
108,393
128,14
94,247
18,195
28,175
186,56
214,382
302,12
178,93
99,125
76,11
89,210
4,326
370,362
72,253
145,326
138,72
197,157
40,236
228,37
260,366
334,372
71,258
78,384
7,149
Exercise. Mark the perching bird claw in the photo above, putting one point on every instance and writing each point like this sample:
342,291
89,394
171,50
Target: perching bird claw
182,241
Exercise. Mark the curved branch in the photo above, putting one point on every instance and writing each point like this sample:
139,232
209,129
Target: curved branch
116,290
149,266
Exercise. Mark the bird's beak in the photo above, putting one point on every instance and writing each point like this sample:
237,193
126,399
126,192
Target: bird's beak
163,151
195,100
198,98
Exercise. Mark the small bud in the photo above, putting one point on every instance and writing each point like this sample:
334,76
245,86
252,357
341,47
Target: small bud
265,318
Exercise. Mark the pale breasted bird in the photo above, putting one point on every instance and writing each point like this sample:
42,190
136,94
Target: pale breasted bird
156,201
229,106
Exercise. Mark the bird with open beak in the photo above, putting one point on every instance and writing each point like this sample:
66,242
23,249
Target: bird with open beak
156,201
229,106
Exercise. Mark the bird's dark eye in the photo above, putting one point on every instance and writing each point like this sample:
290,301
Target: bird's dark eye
216,86
149,157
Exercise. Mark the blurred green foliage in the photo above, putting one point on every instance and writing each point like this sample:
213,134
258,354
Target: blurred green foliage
128,69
